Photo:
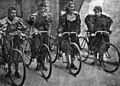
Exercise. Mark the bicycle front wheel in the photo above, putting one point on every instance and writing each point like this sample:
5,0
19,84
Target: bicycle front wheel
46,61
27,52
109,57
77,59
17,65
84,48
53,48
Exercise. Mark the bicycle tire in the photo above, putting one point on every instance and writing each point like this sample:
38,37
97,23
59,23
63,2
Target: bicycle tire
12,78
75,46
48,59
105,63
83,40
53,48
28,44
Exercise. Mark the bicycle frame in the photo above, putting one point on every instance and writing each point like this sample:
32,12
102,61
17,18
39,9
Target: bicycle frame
95,34
39,33
2,36
12,35
69,39
8,51
68,33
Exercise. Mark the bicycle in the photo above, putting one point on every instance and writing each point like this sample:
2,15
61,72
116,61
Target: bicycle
12,57
57,52
31,53
104,52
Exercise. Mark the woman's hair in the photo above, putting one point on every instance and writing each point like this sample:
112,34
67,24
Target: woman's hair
42,5
97,9
10,10
67,7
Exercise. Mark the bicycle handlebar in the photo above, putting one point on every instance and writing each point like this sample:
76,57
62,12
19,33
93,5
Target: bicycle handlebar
68,33
15,33
1,32
102,32
38,32
98,32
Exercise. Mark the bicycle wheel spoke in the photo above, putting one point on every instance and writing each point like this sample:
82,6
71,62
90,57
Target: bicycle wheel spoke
84,51
47,68
111,63
110,58
53,49
53,55
27,53
75,60
17,69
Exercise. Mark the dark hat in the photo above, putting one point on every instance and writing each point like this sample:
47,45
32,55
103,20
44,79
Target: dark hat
11,8
42,4
97,9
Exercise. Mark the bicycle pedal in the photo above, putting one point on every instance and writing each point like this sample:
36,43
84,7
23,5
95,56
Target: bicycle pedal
58,58
32,60
6,70
2,67
64,62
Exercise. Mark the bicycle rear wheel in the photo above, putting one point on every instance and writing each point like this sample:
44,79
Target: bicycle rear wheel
109,57
53,49
77,59
27,52
47,62
84,51
16,61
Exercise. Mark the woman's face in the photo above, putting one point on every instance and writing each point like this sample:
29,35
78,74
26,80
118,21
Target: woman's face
13,13
98,13
42,9
71,8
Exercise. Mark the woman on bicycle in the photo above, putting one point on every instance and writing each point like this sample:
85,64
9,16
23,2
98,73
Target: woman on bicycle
97,22
69,22
10,24
41,21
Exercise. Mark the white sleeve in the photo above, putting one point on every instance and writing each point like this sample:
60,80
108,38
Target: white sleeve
62,12
3,21
33,15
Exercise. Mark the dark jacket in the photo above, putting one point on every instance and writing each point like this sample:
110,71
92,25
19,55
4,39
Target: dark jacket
69,25
41,22
95,23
